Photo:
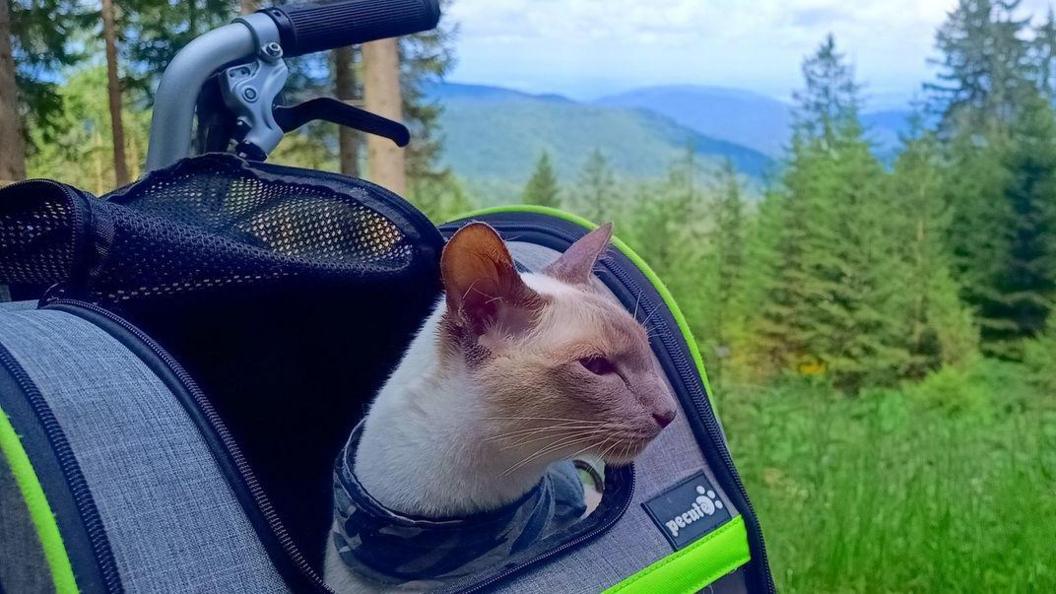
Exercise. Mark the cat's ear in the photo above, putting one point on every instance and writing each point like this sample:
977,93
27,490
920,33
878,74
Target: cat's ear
483,287
576,265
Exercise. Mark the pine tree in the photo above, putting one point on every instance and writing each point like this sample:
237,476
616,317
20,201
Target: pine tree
831,304
346,89
1043,54
440,196
984,69
113,86
382,95
1026,283
595,196
938,328
13,151
152,32
542,188
425,58
44,38
724,264
995,98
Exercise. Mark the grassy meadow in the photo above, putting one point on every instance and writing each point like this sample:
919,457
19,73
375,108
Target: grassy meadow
944,486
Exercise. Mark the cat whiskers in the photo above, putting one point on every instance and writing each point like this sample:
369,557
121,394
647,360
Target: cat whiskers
529,431
567,441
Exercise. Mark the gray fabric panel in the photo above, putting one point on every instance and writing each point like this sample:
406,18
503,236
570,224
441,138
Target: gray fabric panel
5,293
634,542
17,305
173,523
23,567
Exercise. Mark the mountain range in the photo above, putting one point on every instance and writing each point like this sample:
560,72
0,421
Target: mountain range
493,135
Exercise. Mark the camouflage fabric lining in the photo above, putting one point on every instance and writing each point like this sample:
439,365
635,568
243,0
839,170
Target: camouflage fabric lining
393,548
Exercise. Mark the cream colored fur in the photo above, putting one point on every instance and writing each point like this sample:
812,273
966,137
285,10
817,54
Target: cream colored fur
449,435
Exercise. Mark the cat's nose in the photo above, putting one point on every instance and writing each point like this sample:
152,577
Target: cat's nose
664,417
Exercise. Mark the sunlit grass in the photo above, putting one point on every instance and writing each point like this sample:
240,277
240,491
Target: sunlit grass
949,486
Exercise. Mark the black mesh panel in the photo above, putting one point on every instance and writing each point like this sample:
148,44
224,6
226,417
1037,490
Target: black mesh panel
288,295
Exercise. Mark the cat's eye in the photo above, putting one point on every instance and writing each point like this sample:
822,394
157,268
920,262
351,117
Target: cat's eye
598,365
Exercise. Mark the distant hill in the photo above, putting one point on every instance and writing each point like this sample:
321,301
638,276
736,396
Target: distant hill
493,136
745,118
742,117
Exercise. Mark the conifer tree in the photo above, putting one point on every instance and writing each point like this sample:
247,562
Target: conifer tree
995,98
984,67
425,58
44,38
938,328
1026,283
542,188
831,304
13,152
595,196
151,33
1043,54
724,266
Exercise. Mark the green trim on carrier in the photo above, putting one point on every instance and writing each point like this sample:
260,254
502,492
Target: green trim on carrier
714,555
661,288
39,510
694,567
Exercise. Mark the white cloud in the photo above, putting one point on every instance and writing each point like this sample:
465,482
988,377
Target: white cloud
588,47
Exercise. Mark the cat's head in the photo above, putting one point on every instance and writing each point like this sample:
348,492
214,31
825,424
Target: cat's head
563,369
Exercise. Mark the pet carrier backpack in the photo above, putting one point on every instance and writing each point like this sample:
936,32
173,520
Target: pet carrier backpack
182,359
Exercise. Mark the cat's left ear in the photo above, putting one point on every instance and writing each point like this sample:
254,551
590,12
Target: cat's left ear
482,284
576,265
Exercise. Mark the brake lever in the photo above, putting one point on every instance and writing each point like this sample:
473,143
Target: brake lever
328,109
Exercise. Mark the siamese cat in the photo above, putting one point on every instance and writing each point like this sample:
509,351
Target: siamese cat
511,377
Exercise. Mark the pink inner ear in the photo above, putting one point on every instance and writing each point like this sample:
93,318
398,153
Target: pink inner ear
576,265
483,287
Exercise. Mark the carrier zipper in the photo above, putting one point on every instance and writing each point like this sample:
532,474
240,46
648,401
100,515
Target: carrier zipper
220,430
695,391
71,471
560,549
81,227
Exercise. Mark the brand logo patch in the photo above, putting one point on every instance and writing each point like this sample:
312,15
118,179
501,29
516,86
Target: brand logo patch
687,511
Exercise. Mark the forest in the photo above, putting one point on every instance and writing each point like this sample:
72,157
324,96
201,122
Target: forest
879,331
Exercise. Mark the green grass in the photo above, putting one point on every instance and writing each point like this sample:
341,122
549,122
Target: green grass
946,486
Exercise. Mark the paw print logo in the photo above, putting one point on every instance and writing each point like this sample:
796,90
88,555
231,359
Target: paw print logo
708,500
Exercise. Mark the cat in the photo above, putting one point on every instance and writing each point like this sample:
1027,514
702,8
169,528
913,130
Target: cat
511,375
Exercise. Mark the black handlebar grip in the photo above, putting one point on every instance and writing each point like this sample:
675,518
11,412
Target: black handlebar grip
310,27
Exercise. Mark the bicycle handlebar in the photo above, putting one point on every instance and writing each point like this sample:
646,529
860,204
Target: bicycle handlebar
299,28
324,25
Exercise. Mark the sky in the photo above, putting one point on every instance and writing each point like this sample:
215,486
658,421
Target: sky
590,48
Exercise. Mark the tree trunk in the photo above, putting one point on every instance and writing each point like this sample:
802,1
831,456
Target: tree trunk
345,88
113,86
381,95
248,6
12,145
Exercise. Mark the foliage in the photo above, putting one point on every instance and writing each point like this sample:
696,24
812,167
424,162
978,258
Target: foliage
833,303
1039,358
542,188
440,196
494,140
81,152
997,128
595,195
151,32
905,490
44,35
425,58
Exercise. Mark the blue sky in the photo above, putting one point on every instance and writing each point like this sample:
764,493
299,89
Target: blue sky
589,48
